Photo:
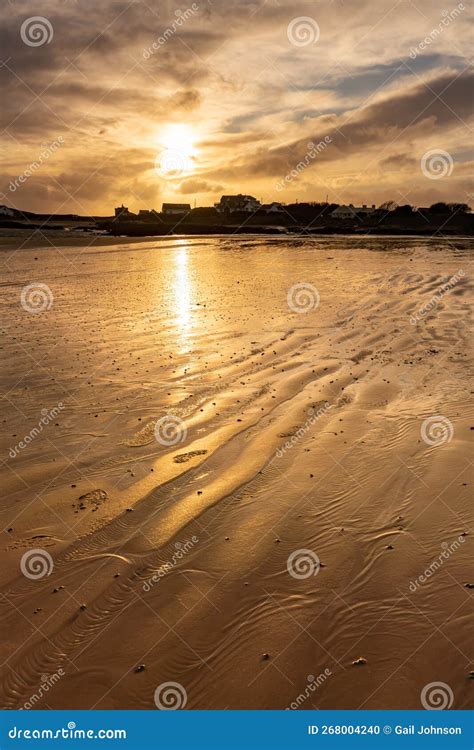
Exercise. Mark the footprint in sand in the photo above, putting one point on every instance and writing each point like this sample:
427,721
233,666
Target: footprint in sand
185,457
95,498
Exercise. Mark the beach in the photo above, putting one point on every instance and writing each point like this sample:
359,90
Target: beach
238,468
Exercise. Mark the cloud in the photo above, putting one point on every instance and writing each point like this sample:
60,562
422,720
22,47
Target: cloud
191,186
253,99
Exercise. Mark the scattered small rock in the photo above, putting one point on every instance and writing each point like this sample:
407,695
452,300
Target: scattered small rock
359,662
140,668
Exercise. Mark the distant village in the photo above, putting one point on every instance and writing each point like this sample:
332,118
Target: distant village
244,213
239,204
239,214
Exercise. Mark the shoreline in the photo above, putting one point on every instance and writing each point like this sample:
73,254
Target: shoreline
12,242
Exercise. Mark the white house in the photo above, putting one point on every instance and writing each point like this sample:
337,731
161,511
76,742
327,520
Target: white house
176,209
351,211
237,203
273,208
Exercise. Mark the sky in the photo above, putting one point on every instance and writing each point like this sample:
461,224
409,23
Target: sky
142,102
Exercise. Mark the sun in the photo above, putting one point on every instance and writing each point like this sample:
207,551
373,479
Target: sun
177,150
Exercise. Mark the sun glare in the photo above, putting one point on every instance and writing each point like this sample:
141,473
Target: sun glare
177,150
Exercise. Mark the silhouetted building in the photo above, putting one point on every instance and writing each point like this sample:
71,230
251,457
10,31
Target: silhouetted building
176,209
122,212
273,208
230,204
148,215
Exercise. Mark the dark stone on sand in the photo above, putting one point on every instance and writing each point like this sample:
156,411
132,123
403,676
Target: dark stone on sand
265,657
83,606
469,585
359,662
140,668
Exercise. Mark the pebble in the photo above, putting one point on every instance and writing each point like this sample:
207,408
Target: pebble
140,668
83,606
358,662
265,657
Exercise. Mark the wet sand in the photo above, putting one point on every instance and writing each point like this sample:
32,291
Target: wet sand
254,491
